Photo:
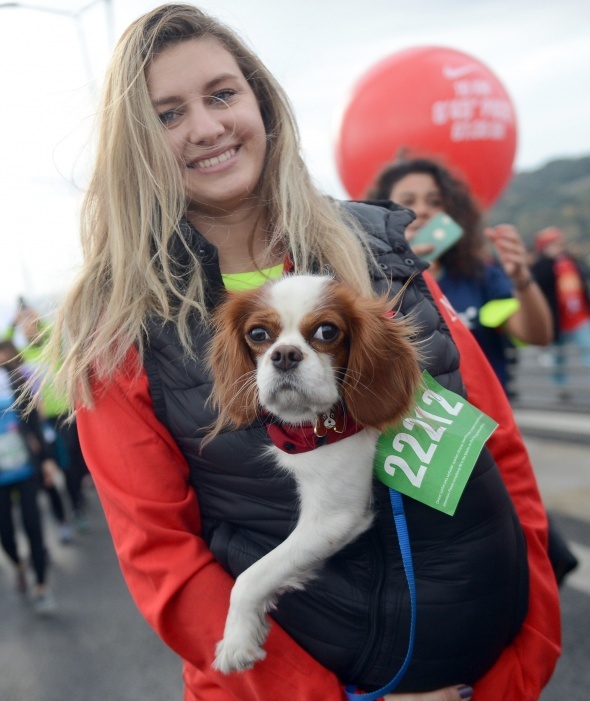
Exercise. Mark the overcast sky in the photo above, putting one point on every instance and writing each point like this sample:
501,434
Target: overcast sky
540,51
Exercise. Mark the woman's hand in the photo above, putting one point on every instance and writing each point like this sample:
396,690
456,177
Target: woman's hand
511,252
421,249
451,693
532,323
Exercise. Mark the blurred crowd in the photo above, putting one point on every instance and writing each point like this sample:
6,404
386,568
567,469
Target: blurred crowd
41,462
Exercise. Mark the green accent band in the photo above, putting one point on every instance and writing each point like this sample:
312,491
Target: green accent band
495,313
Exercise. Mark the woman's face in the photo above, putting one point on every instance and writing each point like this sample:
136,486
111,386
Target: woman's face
420,193
212,120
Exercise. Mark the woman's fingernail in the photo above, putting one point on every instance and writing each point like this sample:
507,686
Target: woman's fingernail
465,692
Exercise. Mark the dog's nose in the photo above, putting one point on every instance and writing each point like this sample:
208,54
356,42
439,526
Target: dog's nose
286,357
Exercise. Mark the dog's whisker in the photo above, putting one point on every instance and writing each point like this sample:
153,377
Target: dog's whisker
244,385
357,382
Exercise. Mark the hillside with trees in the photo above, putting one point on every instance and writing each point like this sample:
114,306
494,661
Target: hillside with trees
558,194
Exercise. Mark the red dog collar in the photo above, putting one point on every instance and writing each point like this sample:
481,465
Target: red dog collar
327,428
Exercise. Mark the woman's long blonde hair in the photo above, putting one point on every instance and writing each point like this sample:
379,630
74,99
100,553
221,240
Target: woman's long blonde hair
135,203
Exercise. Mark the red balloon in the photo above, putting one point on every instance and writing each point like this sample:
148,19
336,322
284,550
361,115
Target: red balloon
431,102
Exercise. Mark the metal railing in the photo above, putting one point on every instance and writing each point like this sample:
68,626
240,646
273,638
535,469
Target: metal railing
534,374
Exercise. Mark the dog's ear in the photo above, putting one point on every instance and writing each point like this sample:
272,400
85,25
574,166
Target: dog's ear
383,369
234,394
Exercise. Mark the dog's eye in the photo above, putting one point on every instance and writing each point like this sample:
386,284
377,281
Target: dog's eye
258,335
326,332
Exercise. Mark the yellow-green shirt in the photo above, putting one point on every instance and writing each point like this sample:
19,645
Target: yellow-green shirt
238,282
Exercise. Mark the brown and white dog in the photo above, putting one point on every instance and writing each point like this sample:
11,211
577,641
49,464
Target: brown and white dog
325,362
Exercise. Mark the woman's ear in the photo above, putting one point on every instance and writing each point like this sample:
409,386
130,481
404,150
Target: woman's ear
235,393
383,367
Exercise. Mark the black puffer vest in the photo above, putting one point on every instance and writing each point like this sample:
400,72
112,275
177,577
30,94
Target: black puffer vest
471,569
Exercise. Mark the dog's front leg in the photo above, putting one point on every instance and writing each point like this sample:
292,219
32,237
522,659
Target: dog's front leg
286,567
246,626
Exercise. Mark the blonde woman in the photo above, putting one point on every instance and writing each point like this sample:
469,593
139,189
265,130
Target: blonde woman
199,187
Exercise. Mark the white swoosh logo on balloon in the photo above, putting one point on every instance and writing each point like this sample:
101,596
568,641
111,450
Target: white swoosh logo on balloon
458,72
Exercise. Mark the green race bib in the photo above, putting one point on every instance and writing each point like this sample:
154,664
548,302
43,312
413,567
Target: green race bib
430,455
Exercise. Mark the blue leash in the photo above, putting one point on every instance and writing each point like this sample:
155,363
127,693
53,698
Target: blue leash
406,552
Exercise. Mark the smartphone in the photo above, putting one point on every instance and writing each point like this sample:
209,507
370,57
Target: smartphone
441,231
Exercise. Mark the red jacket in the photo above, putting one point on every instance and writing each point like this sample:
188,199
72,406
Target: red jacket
142,480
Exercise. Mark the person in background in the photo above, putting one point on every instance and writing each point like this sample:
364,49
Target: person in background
199,181
51,488
499,303
481,292
564,281
23,461
62,435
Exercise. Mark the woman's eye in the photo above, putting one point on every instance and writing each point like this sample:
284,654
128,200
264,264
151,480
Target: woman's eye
326,332
222,97
258,335
168,117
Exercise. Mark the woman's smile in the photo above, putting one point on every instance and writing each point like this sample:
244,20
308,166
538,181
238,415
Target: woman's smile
208,165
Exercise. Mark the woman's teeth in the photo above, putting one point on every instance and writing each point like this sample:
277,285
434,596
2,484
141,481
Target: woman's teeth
216,160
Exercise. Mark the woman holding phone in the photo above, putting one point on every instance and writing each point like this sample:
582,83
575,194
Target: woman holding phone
499,302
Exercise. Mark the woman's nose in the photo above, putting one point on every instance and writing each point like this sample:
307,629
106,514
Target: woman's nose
421,208
424,211
205,126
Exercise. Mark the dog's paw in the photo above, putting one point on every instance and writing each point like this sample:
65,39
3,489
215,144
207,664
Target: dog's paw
232,656
243,637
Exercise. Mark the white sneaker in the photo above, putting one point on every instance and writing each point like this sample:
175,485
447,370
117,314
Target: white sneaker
44,604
